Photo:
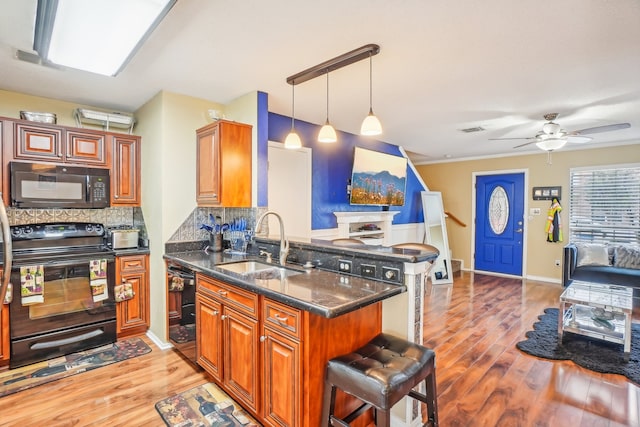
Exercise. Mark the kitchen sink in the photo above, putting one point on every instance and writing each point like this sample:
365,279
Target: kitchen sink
258,270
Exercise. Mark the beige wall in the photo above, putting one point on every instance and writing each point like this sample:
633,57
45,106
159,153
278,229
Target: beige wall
454,180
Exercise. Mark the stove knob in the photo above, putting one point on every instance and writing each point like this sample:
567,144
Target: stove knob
89,227
27,229
99,229
16,232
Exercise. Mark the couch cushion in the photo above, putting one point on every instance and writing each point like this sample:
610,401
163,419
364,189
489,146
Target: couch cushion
592,254
627,256
608,275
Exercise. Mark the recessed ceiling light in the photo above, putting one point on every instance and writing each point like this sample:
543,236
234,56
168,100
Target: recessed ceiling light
473,129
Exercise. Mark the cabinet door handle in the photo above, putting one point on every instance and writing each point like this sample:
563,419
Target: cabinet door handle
223,293
281,319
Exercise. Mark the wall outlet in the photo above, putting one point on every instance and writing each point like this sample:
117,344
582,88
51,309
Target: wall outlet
557,263
345,266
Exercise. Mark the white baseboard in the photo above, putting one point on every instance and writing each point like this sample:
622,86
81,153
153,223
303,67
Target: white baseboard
158,342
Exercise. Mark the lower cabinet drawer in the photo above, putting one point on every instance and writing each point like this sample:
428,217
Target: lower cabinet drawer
282,318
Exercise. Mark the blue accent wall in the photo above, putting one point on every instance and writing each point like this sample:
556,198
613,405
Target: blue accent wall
332,165
262,135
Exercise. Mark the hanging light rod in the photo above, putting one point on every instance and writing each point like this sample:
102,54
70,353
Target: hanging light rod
343,60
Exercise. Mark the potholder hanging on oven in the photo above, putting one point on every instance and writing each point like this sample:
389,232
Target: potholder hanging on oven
124,292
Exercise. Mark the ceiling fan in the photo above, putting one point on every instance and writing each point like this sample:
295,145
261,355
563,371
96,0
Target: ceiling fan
553,137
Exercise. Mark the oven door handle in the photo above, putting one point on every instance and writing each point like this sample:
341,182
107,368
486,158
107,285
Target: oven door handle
65,341
66,263
7,254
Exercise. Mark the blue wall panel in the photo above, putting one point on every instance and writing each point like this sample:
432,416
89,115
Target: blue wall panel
332,170
263,138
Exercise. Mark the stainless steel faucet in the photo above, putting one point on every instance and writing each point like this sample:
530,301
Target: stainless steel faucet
284,243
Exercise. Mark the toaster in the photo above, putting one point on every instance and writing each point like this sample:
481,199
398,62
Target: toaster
123,239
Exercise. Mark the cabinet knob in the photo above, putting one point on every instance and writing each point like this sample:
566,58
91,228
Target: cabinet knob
224,316
223,293
115,196
215,312
263,338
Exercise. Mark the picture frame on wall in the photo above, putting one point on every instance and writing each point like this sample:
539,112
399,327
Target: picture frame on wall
547,193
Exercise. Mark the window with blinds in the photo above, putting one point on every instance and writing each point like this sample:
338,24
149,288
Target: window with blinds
605,204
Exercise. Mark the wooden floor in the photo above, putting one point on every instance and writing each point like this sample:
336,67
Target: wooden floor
483,380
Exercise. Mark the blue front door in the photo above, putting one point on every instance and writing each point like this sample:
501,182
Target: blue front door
499,223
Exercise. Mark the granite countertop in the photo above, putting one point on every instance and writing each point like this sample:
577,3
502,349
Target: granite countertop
325,293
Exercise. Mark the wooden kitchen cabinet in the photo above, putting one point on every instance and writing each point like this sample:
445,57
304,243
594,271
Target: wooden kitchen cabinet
282,352
223,165
86,147
38,142
125,170
278,376
133,315
227,335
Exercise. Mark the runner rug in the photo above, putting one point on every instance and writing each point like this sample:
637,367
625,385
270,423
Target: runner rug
205,405
590,353
14,380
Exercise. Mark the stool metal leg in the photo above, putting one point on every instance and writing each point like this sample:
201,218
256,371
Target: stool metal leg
328,404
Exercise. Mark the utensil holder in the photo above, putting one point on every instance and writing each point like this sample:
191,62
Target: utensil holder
215,242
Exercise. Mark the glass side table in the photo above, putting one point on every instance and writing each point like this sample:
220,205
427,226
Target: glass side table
597,311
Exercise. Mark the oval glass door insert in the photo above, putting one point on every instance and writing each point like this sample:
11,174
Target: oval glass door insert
498,210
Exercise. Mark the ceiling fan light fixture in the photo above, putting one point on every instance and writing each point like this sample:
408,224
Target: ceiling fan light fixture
551,128
551,143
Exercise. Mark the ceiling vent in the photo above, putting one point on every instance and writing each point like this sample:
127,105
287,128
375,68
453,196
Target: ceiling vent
474,129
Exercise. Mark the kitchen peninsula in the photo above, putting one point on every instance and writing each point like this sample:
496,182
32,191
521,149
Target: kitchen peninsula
265,332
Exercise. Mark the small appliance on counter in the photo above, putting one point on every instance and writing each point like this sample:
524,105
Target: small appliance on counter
122,237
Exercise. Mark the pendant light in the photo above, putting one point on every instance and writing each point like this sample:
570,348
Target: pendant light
371,125
327,132
292,141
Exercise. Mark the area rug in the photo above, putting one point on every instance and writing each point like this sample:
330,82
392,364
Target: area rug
593,354
205,405
15,380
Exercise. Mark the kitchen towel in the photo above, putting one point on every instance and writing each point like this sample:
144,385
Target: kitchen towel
32,284
98,279
177,284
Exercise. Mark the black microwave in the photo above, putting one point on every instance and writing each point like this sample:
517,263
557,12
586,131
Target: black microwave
40,185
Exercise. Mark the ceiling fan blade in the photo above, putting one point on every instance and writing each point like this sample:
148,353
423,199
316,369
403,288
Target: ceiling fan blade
578,139
503,139
526,143
605,128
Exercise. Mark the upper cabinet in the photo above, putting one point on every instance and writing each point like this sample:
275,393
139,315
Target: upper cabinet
56,144
223,166
125,170
26,141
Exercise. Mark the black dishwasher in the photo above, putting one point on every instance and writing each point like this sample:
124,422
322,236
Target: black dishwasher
182,302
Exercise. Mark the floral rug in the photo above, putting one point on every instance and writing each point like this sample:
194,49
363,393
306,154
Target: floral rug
593,354
15,380
205,405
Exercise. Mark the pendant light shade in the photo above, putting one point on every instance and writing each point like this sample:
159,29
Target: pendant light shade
371,125
292,141
327,132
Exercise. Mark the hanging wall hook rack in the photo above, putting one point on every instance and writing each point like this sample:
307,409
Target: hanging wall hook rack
343,60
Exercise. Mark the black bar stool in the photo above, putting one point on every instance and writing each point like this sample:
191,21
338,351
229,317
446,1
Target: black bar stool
381,373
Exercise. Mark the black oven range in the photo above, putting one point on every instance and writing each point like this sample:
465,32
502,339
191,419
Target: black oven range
63,301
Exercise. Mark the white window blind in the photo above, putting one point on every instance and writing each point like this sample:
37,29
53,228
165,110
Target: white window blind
605,204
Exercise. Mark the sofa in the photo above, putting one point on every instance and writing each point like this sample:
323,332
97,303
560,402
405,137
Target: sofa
614,263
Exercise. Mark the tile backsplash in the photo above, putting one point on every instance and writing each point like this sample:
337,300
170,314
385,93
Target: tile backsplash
110,217
190,230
